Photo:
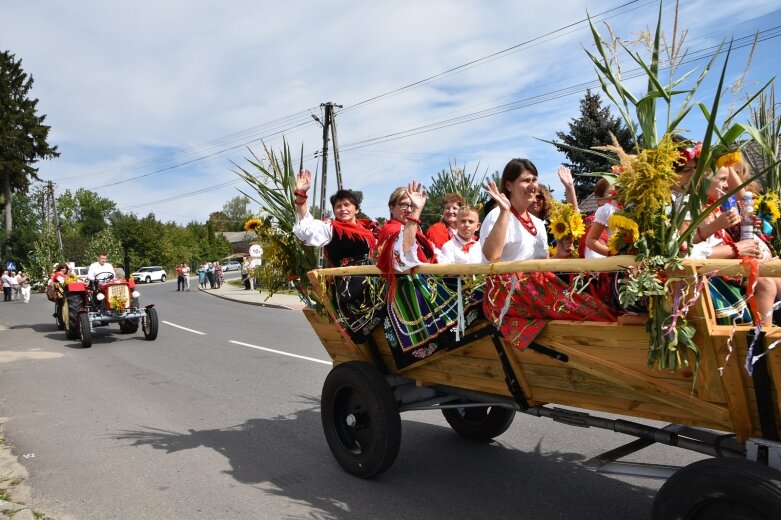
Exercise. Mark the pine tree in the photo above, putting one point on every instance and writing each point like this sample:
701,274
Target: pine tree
22,136
592,128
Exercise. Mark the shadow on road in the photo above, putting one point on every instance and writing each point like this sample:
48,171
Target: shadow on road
437,474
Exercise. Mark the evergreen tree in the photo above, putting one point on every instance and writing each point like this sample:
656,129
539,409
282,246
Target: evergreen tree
22,136
592,128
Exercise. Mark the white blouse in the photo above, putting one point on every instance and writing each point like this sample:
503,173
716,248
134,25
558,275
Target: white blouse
313,232
452,252
519,244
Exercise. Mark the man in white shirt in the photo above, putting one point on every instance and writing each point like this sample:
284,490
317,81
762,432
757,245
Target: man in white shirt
99,267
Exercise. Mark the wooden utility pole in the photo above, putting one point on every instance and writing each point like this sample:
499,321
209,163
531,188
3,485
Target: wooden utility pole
329,125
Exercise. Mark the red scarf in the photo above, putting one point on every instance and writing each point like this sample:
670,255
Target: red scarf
389,232
362,229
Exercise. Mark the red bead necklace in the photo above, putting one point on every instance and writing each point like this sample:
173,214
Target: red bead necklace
528,223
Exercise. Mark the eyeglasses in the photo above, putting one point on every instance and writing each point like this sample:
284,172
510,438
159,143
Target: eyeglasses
404,207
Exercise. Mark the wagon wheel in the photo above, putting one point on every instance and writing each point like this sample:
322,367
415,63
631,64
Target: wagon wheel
85,332
58,317
70,314
481,423
720,489
360,418
149,325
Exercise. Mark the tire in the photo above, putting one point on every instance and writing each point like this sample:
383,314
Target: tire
150,324
70,314
148,279
720,489
162,278
479,423
360,418
85,332
58,314
130,325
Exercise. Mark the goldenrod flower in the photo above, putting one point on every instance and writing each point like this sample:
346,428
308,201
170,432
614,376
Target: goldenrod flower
729,159
253,224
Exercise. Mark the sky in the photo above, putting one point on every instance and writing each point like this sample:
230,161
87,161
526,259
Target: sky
153,104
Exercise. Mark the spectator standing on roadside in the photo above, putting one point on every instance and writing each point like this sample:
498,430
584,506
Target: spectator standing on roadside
210,274
14,286
218,278
186,277
179,278
202,275
245,273
24,286
6,281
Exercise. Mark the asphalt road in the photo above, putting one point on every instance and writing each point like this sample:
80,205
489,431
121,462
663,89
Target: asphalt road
202,423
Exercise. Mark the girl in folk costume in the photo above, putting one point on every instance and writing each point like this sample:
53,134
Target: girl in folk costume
423,310
443,231
509,233
346,240
463,248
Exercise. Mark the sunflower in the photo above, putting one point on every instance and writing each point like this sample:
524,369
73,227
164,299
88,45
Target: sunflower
576,225
767,205
621,224
253,224
559,227
729,159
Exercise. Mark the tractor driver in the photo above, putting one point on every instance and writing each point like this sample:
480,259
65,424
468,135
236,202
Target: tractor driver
99,267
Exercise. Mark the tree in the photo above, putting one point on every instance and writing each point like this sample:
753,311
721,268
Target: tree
22,136
454,180
237,211
592,128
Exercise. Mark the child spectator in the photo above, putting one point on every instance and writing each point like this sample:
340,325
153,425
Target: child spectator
463,248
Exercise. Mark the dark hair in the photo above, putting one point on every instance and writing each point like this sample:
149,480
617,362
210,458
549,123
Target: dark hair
60,266
345,195
601,187
513,170
683,144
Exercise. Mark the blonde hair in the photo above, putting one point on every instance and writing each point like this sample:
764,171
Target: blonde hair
396,196
464,210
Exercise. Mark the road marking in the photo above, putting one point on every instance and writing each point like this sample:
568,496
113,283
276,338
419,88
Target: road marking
183,328
282,353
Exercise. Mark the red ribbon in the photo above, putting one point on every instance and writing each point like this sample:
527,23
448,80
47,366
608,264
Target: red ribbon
753,274
467,246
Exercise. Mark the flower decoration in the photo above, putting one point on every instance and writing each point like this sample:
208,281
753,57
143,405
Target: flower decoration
117,303
625,234
253,225
729,159
566,222
767,206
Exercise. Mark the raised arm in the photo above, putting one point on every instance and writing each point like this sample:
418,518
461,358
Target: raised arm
303,182
565,176
494,242
417,196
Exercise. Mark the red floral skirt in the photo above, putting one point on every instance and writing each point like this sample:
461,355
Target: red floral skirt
520,305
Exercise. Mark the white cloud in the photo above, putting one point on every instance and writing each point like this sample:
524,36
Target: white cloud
122,83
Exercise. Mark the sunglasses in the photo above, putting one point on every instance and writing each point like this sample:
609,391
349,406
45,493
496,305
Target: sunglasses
540,197
404,207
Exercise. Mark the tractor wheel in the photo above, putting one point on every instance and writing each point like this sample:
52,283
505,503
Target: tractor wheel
150,324
481,423
128,326
70,314
360,418
58,314
85,332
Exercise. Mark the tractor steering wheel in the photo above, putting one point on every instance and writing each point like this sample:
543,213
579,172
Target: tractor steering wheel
103,277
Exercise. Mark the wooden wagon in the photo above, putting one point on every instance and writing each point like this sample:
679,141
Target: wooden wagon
481,382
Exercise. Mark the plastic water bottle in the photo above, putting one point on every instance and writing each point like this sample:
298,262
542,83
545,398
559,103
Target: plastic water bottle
747,217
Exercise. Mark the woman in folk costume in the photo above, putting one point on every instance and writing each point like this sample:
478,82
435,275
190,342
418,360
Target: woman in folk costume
423,310
510,232
346,240
445,230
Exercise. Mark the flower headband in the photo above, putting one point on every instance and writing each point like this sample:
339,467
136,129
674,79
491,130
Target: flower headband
689,154
729,159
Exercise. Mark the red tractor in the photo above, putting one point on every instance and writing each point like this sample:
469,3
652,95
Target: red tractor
106,300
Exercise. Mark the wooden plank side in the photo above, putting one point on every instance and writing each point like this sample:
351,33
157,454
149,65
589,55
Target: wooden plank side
659,390
618,406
